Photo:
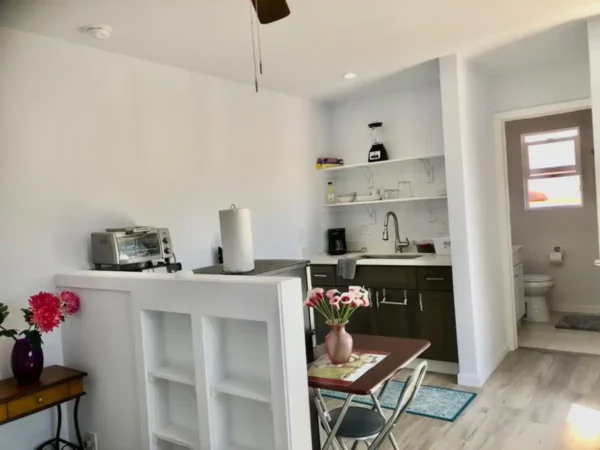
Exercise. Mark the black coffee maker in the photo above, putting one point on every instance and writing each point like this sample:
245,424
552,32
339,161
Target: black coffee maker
336,237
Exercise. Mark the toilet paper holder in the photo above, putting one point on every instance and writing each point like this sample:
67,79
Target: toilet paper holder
557,248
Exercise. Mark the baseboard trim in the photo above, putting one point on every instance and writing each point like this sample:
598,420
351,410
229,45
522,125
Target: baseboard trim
448,368
470,380
582,309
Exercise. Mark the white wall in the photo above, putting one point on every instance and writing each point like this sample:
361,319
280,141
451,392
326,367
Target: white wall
594,51
544,85
411,111
90,140
476,252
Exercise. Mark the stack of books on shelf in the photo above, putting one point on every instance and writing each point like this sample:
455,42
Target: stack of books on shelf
328,163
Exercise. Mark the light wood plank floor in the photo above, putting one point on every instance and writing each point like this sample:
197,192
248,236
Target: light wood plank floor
533,401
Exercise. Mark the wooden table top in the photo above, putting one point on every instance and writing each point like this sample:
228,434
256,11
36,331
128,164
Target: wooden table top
401,353
51,376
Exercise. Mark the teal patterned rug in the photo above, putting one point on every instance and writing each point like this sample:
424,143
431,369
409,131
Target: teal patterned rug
431,401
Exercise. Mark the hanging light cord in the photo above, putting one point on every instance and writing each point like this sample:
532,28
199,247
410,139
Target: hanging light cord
253,46
258,36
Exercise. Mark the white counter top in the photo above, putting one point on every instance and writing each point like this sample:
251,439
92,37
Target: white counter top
425,259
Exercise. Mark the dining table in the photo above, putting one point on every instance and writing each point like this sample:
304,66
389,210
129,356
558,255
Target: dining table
398,354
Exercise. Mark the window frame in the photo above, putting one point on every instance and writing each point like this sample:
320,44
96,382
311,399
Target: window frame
540,174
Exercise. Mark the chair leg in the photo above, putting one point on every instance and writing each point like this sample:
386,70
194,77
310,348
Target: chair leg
355,445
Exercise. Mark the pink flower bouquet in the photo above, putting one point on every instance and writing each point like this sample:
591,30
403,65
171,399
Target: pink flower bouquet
337,307
45,313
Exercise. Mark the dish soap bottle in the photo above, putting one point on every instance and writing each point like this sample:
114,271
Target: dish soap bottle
330,193
378,151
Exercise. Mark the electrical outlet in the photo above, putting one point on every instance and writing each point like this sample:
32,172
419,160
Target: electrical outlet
365,230
90,441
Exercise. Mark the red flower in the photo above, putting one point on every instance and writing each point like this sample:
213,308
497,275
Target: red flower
69,302
46,313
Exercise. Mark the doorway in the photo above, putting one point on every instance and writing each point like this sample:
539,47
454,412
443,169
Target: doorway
552,198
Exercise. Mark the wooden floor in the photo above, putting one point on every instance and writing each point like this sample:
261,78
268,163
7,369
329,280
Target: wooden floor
534,400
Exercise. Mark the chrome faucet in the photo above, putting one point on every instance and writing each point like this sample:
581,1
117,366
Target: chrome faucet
399,245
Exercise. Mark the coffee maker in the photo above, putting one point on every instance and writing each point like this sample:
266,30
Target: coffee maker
336,238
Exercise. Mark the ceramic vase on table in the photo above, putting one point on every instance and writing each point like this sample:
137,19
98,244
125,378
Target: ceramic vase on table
27,362
338,343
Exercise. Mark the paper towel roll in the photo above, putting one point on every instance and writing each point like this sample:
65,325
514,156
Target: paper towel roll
236,240
556,257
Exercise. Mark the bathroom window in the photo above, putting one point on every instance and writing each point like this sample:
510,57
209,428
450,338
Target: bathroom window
552,169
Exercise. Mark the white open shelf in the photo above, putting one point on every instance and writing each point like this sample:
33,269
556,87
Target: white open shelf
182,375
179,435
253,390
391,161
169,346
395,200
239,369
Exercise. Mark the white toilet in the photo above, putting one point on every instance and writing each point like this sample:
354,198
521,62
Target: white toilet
536,289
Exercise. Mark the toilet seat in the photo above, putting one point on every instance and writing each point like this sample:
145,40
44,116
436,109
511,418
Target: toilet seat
536,278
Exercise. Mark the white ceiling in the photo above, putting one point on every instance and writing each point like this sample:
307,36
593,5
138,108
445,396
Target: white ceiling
306,53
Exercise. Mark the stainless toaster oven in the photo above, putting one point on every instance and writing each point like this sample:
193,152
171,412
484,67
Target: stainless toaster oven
132,246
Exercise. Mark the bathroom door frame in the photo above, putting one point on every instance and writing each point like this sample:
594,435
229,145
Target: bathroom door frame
505,232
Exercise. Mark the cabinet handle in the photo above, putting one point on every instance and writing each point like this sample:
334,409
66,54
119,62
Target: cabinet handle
434,279
421,302
319,275
370,297
404,303
40,400
377,298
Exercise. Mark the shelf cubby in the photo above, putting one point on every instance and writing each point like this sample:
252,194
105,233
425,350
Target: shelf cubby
175,418
169,346
241,418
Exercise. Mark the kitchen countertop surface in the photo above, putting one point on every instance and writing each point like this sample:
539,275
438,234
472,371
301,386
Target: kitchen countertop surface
261,266
426,259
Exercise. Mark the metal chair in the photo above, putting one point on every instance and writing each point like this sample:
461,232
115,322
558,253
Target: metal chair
370,425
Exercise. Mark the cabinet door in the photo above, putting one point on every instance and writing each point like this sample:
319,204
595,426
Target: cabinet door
321,328
437,324
519,285
363,319
394,309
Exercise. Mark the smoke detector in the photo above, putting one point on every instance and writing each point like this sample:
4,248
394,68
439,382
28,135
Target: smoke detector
99,31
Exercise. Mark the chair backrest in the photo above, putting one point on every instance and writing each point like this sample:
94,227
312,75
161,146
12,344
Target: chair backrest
409,392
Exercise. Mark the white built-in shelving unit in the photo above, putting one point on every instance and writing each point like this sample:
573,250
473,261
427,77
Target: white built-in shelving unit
217,368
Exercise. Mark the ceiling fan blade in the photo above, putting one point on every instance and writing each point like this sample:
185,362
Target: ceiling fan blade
269,11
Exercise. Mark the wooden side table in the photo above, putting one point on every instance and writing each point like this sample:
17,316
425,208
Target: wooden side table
57,385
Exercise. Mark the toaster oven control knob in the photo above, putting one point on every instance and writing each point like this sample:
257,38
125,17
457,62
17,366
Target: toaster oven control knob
167,250
165,240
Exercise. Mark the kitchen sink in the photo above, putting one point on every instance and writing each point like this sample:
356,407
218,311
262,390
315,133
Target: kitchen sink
393,256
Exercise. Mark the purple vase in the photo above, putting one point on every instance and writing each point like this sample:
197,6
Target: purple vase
338,343
27,362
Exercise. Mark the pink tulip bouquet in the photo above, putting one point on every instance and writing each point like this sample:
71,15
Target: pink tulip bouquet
337,307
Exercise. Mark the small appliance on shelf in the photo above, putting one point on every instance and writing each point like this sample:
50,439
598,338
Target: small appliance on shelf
134,249
378,151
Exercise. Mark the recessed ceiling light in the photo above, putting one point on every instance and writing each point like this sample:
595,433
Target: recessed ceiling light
349,76
99,31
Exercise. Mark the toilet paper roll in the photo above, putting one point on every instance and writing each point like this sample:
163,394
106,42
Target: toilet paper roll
556,258
236,240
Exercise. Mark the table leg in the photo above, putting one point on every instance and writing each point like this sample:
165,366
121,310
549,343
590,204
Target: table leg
76,420
380,411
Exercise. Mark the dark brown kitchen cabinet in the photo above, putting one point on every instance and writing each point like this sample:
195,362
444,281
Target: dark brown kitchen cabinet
437,324
406,301
395,310
361,322
382,277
